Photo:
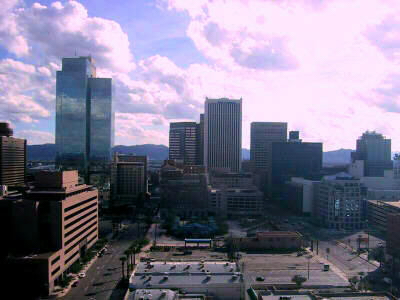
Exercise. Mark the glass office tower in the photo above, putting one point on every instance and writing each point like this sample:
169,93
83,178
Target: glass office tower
101,137
84,115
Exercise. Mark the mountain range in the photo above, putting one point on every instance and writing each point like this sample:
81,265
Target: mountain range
47,152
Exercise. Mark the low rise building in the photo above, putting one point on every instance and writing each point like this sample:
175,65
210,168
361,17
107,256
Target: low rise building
339,204
393,234
269,240
163,294
235,201
220,280
378,212
231,180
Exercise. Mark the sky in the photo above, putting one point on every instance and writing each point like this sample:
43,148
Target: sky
328,68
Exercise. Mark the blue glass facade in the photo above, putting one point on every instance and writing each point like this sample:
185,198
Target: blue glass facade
84,114
101,138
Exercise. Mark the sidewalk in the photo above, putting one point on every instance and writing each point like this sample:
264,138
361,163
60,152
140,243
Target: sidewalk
86,267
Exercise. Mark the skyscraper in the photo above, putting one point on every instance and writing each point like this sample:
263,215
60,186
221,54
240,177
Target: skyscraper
263,134
84,114
223,134
375,150
183,142
200,141
12,157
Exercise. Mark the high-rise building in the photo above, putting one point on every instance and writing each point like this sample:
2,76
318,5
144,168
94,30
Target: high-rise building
128,180
263,134
375,150
200,141
183,142
223,134
52,226
84,115
12,157
294,159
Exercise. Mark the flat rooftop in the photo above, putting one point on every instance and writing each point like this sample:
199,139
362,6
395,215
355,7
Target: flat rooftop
178,274
186,267
383,202
291,297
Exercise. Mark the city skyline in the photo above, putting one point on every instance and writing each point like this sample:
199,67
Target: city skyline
331,81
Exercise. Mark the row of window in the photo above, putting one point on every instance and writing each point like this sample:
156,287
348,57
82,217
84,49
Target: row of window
79,227
80,211
80,218
80,233
78,242
79,204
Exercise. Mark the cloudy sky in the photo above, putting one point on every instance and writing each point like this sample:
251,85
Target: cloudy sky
328,68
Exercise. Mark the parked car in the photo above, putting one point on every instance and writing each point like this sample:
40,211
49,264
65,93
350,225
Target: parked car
82,275
260,278
387,280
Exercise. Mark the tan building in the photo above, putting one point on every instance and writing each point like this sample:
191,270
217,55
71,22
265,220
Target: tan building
53,225
378,213
393,235
270,240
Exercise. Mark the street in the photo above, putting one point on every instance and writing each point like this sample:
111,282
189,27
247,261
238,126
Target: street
103,276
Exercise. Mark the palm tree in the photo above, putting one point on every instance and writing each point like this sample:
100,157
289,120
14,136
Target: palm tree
123,259
135,250
127,253
127,267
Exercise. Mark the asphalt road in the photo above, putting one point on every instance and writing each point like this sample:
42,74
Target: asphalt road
103,276
342,258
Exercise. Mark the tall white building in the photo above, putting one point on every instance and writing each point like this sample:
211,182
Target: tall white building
223,134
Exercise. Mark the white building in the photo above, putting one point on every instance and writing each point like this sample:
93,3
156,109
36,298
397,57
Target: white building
339,203
223,134
302,194
220,280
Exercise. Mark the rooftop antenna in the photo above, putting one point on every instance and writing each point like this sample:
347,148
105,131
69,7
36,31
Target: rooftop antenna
75,52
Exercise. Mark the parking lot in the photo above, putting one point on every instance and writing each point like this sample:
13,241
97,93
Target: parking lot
279,269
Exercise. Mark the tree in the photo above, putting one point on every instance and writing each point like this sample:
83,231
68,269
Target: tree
127,253
135,250
123,260
299,280
353,281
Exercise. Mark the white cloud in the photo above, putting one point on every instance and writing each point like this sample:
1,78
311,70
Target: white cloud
35,137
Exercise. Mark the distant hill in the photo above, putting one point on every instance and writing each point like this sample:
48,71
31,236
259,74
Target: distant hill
154,152
160,152
41,152
48,151
341,156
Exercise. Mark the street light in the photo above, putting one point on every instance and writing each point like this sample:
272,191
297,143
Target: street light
308,265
